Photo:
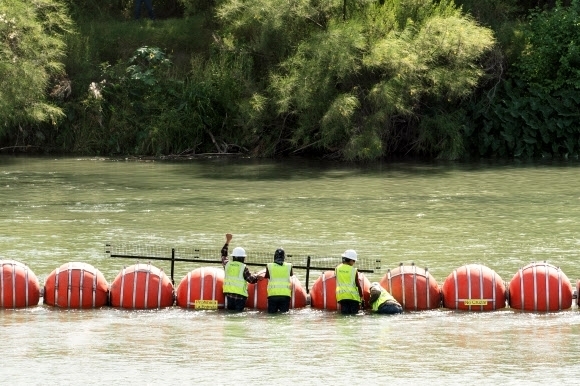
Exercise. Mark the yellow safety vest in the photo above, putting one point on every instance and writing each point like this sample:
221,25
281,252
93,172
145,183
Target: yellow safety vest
279,283
383,297
234,282
346,288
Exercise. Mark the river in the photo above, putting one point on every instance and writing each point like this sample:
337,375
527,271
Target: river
440,216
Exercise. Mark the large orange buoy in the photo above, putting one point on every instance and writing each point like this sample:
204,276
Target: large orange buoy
323,292
540,287
473,287
141,286
19,286
201,288
413,287
76,285
258,294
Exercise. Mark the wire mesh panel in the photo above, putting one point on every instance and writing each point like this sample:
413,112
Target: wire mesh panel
201,254
254,258
154,252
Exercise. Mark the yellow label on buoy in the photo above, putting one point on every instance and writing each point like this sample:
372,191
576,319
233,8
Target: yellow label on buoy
206,304
475,302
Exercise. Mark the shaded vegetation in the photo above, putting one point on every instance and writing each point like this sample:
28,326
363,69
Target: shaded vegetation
338,79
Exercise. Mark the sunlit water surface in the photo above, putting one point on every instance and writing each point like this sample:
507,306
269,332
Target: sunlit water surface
440,216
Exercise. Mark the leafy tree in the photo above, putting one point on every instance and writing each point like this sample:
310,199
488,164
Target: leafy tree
31,70
359,79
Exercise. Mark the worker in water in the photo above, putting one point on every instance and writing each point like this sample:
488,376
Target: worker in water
279,284
237,277
382,302
349,293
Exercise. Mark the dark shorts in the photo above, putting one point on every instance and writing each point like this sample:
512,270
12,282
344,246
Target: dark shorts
349,307
389,308
278,303
235,303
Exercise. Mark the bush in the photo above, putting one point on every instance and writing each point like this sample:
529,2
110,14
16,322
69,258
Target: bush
31,51
534,112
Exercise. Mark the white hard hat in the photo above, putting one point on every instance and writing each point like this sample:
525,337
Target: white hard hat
350,254
239,252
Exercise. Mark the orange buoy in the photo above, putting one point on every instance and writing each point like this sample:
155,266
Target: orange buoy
323,292
141,286
473,287
413,287
540,287
258,294
76,285
18,285
201,285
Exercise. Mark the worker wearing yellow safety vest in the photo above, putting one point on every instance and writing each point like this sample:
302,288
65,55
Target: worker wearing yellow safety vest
349,293
382,302
237,276
279,283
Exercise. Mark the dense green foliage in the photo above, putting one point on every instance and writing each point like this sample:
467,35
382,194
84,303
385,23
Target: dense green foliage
535,110
360,80
138,108
32,74
343,79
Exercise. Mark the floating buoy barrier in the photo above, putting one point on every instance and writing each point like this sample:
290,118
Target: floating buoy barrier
413,287
540,287
473,287
258,294
201,288
19,286
141,286
76,285
537,287
323,292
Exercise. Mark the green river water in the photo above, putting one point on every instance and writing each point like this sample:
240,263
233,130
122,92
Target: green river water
437,215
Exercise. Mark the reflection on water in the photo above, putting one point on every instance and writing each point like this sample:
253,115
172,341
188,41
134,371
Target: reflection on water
440,216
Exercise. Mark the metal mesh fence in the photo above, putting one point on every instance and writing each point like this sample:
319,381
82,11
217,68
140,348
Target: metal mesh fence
213,256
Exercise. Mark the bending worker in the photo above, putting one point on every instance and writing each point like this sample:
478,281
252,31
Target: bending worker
279,284
349,293
382,302
237,277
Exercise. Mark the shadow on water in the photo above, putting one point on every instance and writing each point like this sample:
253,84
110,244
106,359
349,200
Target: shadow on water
254,169
305,169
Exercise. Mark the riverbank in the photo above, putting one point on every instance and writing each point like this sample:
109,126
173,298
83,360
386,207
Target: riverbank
223,80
